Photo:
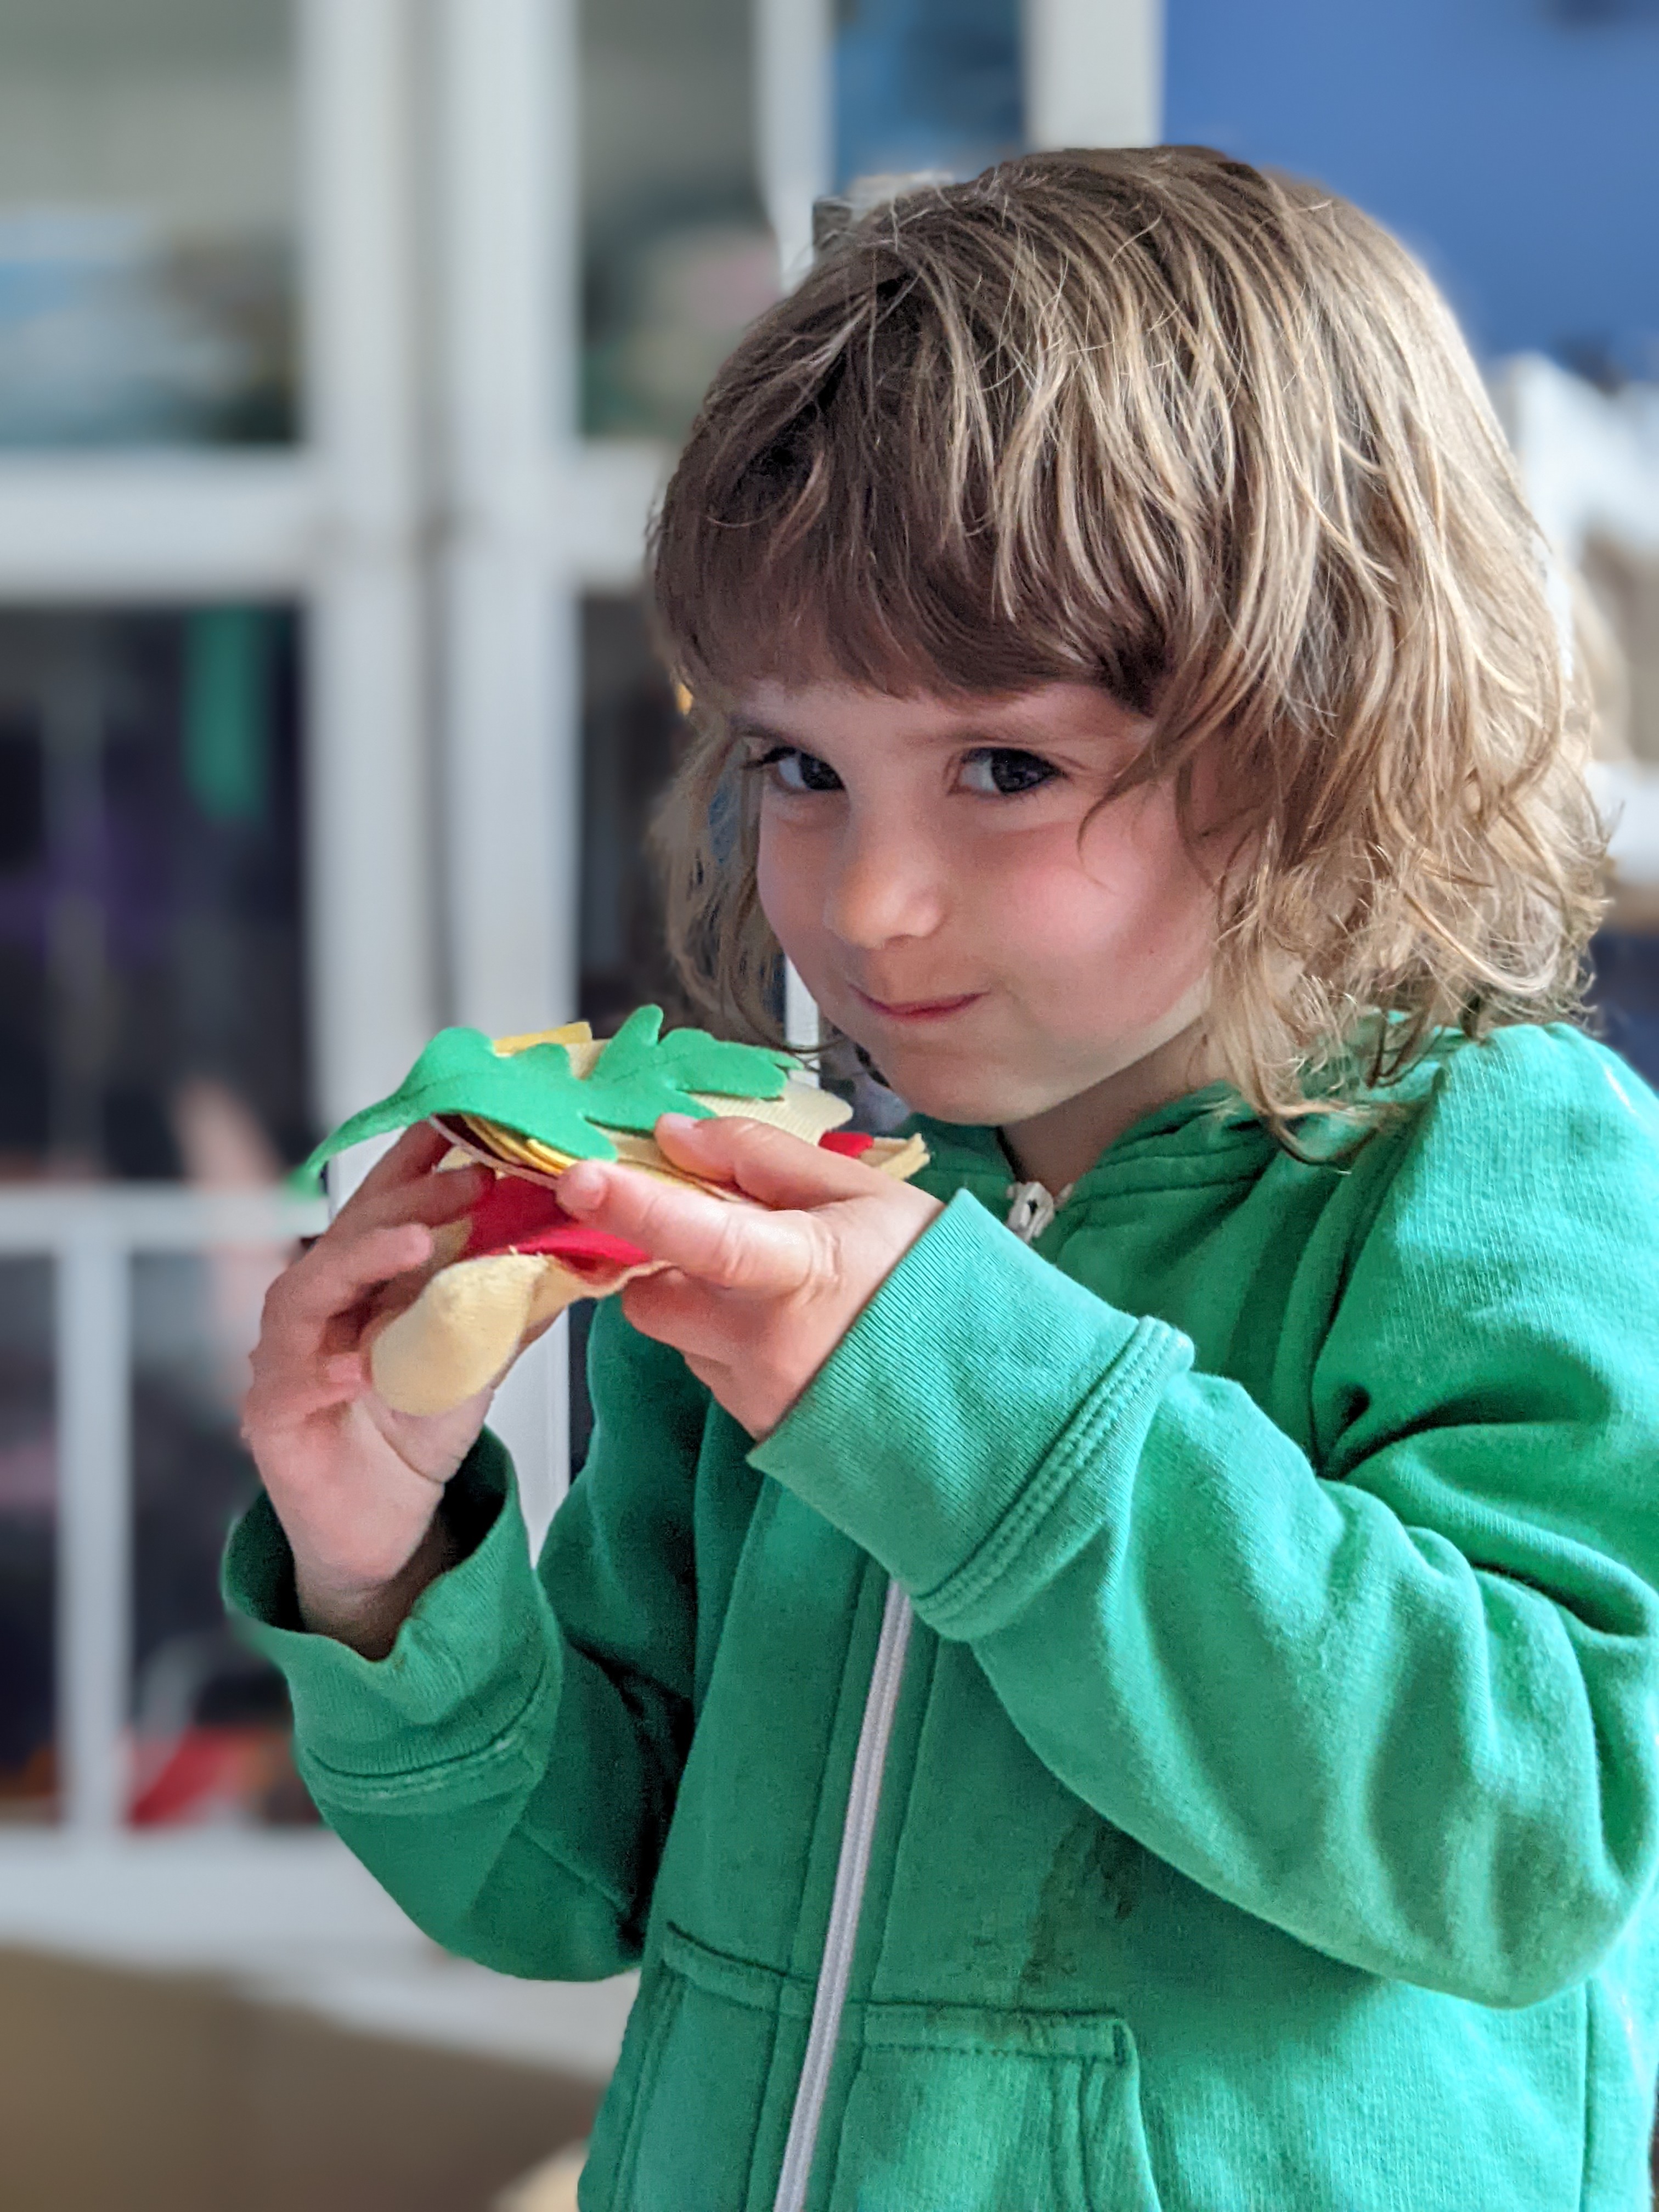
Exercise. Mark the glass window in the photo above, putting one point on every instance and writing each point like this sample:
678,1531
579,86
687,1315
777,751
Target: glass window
150,938
28,1543
926,85
146,162
1623,582
676,256
632,735
211,1720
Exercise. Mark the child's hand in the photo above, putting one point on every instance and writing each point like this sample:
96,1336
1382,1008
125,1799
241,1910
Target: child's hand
757,1300
355,1485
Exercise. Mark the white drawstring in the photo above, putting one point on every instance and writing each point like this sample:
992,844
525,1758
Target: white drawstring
1031,1208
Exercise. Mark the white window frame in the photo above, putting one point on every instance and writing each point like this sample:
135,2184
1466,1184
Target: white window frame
370,540
438,546
339,527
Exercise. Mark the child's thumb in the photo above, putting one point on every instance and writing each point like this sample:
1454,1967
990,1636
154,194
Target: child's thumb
763,1161
720,1241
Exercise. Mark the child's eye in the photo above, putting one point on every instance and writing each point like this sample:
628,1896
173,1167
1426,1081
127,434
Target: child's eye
1003,771
794,770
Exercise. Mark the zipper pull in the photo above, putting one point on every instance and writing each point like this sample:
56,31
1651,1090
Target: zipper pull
1030,1209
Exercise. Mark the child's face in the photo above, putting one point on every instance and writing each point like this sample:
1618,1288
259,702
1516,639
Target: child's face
933,869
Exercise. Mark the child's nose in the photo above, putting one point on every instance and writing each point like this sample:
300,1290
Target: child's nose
887,882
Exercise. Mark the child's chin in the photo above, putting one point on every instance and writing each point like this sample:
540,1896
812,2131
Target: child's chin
963,1100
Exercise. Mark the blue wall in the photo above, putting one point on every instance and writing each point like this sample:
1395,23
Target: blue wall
1513,143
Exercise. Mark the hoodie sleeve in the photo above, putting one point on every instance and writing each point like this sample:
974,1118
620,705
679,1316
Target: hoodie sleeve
1401,1698
508,1770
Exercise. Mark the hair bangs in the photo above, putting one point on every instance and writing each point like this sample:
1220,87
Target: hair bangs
855,518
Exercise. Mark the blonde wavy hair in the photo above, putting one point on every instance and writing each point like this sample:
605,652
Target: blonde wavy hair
1210,438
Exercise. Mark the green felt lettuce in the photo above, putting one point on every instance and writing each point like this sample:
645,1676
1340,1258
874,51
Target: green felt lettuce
639,1074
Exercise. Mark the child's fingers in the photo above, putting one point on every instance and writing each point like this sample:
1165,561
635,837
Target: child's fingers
764,1162
359,1255
415,1153
675,1309
278,1401
336,1274
434,1199
387,1301
737,1248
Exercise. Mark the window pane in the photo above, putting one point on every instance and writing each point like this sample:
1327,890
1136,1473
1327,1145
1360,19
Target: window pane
926,85
210,1721
632,734
631,739
677,257
146,290
1624,991
28,1543
150,941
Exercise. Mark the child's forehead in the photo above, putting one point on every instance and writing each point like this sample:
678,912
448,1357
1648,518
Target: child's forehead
798,624
772,709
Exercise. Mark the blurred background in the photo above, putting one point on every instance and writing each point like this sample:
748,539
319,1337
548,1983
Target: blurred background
343,344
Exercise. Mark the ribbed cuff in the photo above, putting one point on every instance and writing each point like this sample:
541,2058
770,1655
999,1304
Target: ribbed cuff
978,1423
463,1670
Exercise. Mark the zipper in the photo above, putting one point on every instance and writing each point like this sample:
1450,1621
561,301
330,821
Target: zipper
1031,1208
847,1905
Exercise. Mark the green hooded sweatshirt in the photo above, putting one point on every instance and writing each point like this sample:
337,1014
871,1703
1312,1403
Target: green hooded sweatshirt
1263,1813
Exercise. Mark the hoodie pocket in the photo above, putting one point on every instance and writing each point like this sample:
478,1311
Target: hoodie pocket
614,2153
677,2132
968,2110
948,2108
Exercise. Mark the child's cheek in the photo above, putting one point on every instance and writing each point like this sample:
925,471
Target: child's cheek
1138,911
786,881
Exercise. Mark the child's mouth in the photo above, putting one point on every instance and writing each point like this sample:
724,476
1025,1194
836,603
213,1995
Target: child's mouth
918,1009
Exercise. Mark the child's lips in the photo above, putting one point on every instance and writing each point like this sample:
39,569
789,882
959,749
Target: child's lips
916,1011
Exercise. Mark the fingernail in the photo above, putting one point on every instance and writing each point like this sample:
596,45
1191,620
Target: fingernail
678,1125
581,1189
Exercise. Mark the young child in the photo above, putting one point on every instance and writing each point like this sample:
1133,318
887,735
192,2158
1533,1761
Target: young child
1127,1676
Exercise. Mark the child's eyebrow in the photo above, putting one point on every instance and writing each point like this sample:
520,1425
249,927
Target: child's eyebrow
750,731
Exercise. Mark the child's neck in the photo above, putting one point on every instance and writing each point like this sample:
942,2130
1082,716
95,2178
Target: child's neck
1055,1147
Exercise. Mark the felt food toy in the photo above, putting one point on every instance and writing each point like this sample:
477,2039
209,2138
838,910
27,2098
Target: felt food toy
526,1107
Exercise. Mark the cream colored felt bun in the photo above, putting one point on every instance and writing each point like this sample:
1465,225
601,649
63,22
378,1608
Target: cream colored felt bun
459,1335
468,1325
